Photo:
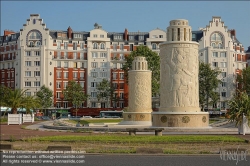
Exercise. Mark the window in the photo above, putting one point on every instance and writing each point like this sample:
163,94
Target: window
65,84
75,64
36,73
93,94
102,46
77,35
93,84
223,105
93,104
121,76
121,85
223,74
131,37
95,46
27,73
65,104
74,46
94,64
103,74
58,45
37,83
141,37
215,64
58,105
216,41
27,63
121,47
28,84
66,55
37,63
153,46
65,75
82,65
58,95
81,56
215,54
160,36
114,76
81,46
28,53
121,95
224,94
81,75
58,85
65,45
115,85
121,65
59,74
223,84
101,36
75,55
223,54
66,64
94,55
121,56
131,47
37,53
103,64
59,64
95,35
27,93
223,64
114,47
81,84
103,55
94,74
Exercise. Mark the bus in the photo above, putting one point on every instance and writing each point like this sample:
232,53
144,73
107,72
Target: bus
111,114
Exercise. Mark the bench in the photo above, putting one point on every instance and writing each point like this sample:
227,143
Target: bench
6,146
59,148
132,131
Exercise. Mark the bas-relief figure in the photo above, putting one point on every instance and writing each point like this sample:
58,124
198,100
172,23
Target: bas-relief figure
180,77
141,92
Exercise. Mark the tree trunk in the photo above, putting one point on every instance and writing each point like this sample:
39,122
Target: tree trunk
14,110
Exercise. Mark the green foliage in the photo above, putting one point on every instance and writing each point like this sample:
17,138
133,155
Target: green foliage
239,105
111,138
244,80
105,91
74,94
153,65
15,99
31,102
45,96
4,92
208,82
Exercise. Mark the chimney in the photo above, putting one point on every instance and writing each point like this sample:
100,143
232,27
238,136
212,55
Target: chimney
126,34
69,32
8,32
233,32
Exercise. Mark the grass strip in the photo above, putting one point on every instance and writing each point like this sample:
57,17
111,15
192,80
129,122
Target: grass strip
109,138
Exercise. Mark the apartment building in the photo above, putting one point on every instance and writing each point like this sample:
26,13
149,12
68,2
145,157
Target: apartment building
220,47
37,56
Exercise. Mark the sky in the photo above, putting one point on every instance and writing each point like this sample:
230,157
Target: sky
115,16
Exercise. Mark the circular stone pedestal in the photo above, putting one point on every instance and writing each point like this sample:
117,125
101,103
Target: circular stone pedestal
180,119
136,118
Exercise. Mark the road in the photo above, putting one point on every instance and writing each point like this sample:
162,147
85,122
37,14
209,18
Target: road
147,160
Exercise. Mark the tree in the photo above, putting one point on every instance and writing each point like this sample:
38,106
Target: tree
15,99
74,94
31,102
153,65
105,91
45,96
208,82
244,80
239,105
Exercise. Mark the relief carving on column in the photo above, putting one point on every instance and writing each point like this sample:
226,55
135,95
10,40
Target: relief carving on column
179,78
142,92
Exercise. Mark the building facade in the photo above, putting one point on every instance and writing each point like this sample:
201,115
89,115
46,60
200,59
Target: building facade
37,56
